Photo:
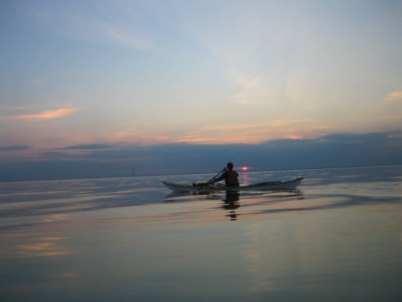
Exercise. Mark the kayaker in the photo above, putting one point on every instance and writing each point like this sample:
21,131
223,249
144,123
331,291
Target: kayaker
230,176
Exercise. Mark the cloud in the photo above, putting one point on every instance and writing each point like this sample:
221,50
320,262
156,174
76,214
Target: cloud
14,148
254,132
253,93
95,26
88,147
119,35
138,137
393,96
46,115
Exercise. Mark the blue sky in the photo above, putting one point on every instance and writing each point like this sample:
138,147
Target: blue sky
205,72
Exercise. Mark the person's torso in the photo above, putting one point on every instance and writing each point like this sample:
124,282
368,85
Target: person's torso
231,179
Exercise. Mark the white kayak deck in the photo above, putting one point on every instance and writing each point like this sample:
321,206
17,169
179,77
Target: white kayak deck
264,186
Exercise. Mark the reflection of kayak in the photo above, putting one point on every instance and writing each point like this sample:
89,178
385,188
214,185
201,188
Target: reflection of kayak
263,186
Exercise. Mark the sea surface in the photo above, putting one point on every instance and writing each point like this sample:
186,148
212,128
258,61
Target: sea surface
338,238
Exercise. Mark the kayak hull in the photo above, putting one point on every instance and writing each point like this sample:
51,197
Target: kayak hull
266,186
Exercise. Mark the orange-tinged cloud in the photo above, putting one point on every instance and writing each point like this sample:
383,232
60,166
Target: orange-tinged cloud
53,114
250,133
296,136
137,137
392,96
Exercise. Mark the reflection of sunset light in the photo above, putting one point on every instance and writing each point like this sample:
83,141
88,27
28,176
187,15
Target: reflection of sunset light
244,175
45,247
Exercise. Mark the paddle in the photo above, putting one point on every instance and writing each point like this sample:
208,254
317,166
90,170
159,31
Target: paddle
223,170
205,184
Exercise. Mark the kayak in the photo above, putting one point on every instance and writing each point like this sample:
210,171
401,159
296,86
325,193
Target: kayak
263,186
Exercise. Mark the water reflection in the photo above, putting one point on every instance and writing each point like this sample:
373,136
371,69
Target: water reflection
134,240
237,204
231,204
256,206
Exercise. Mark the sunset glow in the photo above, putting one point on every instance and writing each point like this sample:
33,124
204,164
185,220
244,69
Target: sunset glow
166,72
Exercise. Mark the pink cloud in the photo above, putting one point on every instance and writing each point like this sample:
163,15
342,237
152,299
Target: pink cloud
45,115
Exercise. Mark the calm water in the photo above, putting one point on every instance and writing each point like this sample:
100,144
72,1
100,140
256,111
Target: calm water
130,239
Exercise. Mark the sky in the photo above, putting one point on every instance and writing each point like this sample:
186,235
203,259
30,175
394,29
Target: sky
146,73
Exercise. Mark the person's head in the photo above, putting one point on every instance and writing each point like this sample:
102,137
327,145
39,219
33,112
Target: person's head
229,166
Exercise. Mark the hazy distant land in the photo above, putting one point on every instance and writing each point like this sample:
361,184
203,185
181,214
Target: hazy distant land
122,160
